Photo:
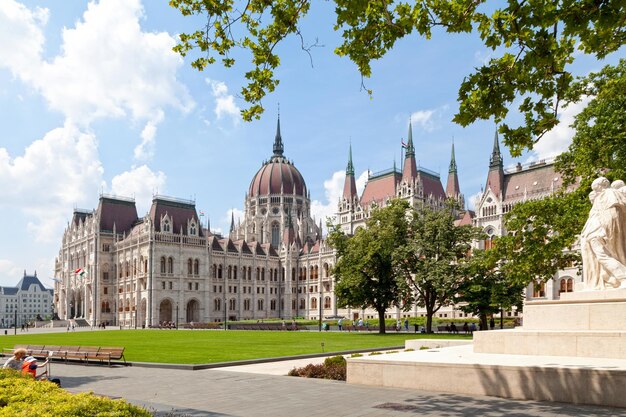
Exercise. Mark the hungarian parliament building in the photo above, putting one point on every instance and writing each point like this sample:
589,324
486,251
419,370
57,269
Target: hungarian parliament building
119,268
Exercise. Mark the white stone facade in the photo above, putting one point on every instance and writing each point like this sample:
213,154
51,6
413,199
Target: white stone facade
25,302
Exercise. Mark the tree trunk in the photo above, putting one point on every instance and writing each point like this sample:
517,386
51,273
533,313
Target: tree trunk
482,324
381,321
429,318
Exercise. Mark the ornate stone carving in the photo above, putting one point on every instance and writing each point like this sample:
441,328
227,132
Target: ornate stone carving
603,238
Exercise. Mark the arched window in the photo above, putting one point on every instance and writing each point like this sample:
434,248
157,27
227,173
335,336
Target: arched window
259,305
249,273
170,265
189,266
196,267
314,302
302,304
326,302
570,285
262,274
163,264
539,289
275,234
230,271
219,271
234,272
217,304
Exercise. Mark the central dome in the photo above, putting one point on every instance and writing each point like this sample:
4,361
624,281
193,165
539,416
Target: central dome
278,175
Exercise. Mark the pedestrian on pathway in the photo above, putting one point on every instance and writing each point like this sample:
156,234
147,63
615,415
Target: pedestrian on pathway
339,324
406,324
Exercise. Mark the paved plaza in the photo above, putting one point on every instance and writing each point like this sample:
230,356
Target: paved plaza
263,390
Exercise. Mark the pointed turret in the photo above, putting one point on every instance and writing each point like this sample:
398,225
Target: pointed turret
349,186
278,140
496,158
495,178
232,222
289,234
409,171
452,187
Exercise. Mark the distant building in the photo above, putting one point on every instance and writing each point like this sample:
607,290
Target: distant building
167,266
25,302
114,266
504,189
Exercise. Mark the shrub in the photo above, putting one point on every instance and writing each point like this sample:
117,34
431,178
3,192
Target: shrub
332,368
375,353
335,360
409,350
23,396
356,355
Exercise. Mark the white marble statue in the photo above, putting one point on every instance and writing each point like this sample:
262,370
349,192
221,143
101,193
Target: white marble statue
603,239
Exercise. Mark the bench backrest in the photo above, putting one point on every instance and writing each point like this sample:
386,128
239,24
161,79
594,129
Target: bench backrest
113,352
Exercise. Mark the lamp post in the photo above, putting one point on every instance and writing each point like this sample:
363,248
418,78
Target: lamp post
15,320
177,316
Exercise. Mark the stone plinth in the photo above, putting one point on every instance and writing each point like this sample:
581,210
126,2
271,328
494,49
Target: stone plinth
460,370
590,344
585,324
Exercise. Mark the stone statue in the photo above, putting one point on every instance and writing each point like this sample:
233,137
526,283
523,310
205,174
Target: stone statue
603,238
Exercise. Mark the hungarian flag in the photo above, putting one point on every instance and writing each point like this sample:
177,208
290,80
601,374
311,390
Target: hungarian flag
80,272
404,145
201,213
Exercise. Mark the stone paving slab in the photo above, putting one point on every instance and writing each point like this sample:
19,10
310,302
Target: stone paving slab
213,392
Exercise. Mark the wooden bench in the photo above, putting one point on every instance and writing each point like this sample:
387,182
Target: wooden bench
82,353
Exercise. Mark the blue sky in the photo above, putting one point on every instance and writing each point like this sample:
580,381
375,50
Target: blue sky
93,100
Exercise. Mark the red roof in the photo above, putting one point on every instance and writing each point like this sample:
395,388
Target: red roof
116,211
277,176
180,211
379,188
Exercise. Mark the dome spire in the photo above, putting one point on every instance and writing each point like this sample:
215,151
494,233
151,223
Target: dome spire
278,140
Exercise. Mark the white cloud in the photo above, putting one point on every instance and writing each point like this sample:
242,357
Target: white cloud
429,119
333,191
224,102
10,273
55,172
483,57
473,201
141,183
558,139
233,212
108,67
22,37
145,150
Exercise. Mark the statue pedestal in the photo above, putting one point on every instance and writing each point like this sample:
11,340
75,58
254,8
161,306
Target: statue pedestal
586,324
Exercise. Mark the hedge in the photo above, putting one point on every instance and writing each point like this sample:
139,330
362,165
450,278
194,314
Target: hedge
22,396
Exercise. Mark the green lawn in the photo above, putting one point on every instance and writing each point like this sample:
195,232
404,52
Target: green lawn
206,346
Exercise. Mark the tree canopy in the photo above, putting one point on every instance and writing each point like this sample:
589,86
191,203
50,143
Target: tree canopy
432,261
538,231
364,273
534,44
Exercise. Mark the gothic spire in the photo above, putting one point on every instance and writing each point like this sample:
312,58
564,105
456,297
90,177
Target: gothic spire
452,168
349,185
410,150
350,167
496,158
409,168
452,186
278,140
232,221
